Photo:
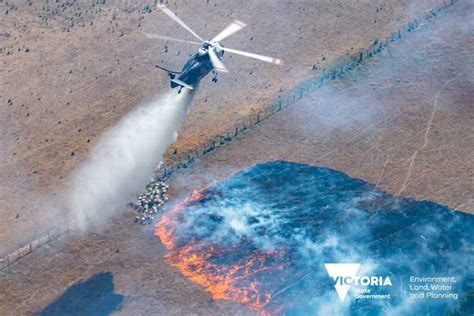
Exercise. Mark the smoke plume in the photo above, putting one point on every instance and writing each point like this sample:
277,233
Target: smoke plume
125,158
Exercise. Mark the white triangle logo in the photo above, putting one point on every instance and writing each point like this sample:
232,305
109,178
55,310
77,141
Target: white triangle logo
339,271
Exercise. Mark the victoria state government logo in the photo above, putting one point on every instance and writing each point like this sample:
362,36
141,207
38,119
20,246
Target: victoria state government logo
345,276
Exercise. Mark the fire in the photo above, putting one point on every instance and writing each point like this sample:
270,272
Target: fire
262,237
165,228
200,261
234,282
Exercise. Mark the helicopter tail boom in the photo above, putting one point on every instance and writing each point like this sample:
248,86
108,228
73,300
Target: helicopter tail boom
168,71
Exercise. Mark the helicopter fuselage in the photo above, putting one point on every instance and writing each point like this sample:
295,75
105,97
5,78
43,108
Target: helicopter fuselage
196,68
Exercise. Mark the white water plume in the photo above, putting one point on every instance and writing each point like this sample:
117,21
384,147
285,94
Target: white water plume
125,158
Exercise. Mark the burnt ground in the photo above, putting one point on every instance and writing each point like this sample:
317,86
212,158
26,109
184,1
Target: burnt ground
72,69
263,235
404,123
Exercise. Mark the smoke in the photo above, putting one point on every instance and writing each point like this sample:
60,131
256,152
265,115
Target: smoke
262,237
125,158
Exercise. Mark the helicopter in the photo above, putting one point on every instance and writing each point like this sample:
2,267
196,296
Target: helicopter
208,58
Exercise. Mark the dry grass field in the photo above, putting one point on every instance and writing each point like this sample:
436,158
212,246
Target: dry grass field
403,122
71,69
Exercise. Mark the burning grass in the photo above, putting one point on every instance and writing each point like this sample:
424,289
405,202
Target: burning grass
201,262
261,238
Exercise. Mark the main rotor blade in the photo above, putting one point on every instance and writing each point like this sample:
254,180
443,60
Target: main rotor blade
167,38
171,14
229,30
216,62
252,55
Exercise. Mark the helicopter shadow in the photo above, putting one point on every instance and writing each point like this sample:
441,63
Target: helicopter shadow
94,296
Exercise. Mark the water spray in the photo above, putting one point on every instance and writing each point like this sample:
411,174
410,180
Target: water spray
125,158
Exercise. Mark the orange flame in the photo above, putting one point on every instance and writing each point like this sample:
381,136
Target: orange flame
222,282
195,260
165,227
